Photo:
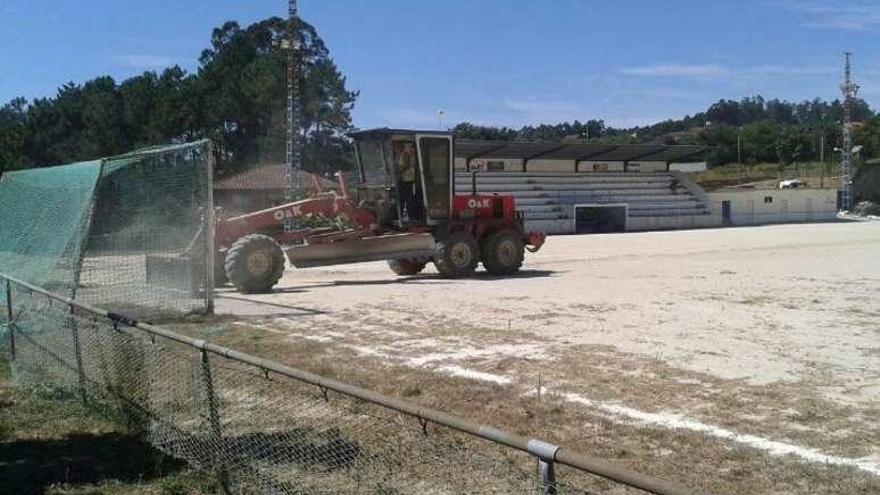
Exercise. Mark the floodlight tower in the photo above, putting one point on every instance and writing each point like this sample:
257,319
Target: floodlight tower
850,90
293,152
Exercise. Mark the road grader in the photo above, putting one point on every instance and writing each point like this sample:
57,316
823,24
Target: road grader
403,209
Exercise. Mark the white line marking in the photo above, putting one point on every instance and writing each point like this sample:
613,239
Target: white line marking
474,375
674,421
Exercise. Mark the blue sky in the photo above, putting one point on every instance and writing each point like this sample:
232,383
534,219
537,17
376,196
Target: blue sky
500,62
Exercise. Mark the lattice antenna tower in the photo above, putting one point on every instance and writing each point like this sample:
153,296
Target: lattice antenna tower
850,90
293,152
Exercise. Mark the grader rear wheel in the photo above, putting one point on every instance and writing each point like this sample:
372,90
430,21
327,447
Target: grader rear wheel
457,255
254,264
503,252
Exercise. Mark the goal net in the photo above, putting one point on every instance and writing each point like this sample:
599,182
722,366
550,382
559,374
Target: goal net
124,233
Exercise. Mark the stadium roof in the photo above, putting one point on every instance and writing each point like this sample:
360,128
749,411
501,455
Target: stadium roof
469,149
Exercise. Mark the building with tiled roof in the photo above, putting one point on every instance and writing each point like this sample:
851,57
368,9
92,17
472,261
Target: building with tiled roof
259,188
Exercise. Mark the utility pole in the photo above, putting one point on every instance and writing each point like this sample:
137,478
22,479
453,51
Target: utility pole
293,152
822,159
739,160
850,90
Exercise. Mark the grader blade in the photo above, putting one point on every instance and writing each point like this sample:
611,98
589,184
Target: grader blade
386,247
174,273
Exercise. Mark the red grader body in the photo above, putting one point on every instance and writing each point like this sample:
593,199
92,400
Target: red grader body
403,209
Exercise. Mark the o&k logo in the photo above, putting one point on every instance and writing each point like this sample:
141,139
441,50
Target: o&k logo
288,213
478,203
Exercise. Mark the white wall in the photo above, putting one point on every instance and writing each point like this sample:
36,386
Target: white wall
510,164
539,165
555,165
643,166
751,207
589,166
689,167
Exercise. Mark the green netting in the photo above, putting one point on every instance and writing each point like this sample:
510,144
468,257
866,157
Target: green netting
123,233
44,214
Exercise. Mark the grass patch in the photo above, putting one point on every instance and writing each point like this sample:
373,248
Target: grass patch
50,443
733,174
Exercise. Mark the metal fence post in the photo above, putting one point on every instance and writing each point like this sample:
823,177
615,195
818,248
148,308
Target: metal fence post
9,316
77,352
546,454
208,229
547,473
215,431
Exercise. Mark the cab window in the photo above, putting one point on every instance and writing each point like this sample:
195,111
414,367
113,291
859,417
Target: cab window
435,158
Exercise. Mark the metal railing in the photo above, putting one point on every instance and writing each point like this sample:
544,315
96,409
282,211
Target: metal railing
264,427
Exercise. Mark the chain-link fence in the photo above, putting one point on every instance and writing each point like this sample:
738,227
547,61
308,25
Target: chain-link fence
125,233
264,428
145,252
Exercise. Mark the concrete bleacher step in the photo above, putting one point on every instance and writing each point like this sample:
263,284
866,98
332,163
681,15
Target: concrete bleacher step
549,197
569,200
507,181
571,191
561,183
565,176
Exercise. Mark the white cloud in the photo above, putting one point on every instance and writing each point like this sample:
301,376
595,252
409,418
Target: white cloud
139,61
675,70
716,71
783,71
536,106
826,14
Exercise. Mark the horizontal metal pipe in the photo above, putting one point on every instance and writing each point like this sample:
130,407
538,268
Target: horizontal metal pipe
589,464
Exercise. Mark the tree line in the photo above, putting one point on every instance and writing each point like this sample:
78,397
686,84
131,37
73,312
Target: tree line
236,98
753,130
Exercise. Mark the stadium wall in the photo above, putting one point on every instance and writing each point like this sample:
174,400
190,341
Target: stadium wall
766,206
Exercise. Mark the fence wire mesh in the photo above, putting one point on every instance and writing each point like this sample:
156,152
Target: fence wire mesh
145,255
257,433
123,232
44,214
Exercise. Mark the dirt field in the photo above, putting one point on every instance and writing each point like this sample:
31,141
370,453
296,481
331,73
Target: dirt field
760,341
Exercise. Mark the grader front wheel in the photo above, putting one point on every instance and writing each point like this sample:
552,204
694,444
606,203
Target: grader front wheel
407,267
254,264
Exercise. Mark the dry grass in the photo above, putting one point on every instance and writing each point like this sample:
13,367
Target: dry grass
765,175
692,458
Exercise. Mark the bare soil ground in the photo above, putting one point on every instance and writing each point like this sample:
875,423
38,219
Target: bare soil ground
736,360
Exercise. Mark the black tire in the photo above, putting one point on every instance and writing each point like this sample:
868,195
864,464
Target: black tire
503,252
220,278
456,255
407,266
254,264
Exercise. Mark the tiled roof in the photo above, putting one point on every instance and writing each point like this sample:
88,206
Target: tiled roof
269,177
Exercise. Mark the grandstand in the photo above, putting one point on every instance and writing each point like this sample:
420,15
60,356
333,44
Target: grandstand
581,188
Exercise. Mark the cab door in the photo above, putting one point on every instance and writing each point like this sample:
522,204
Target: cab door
435,164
